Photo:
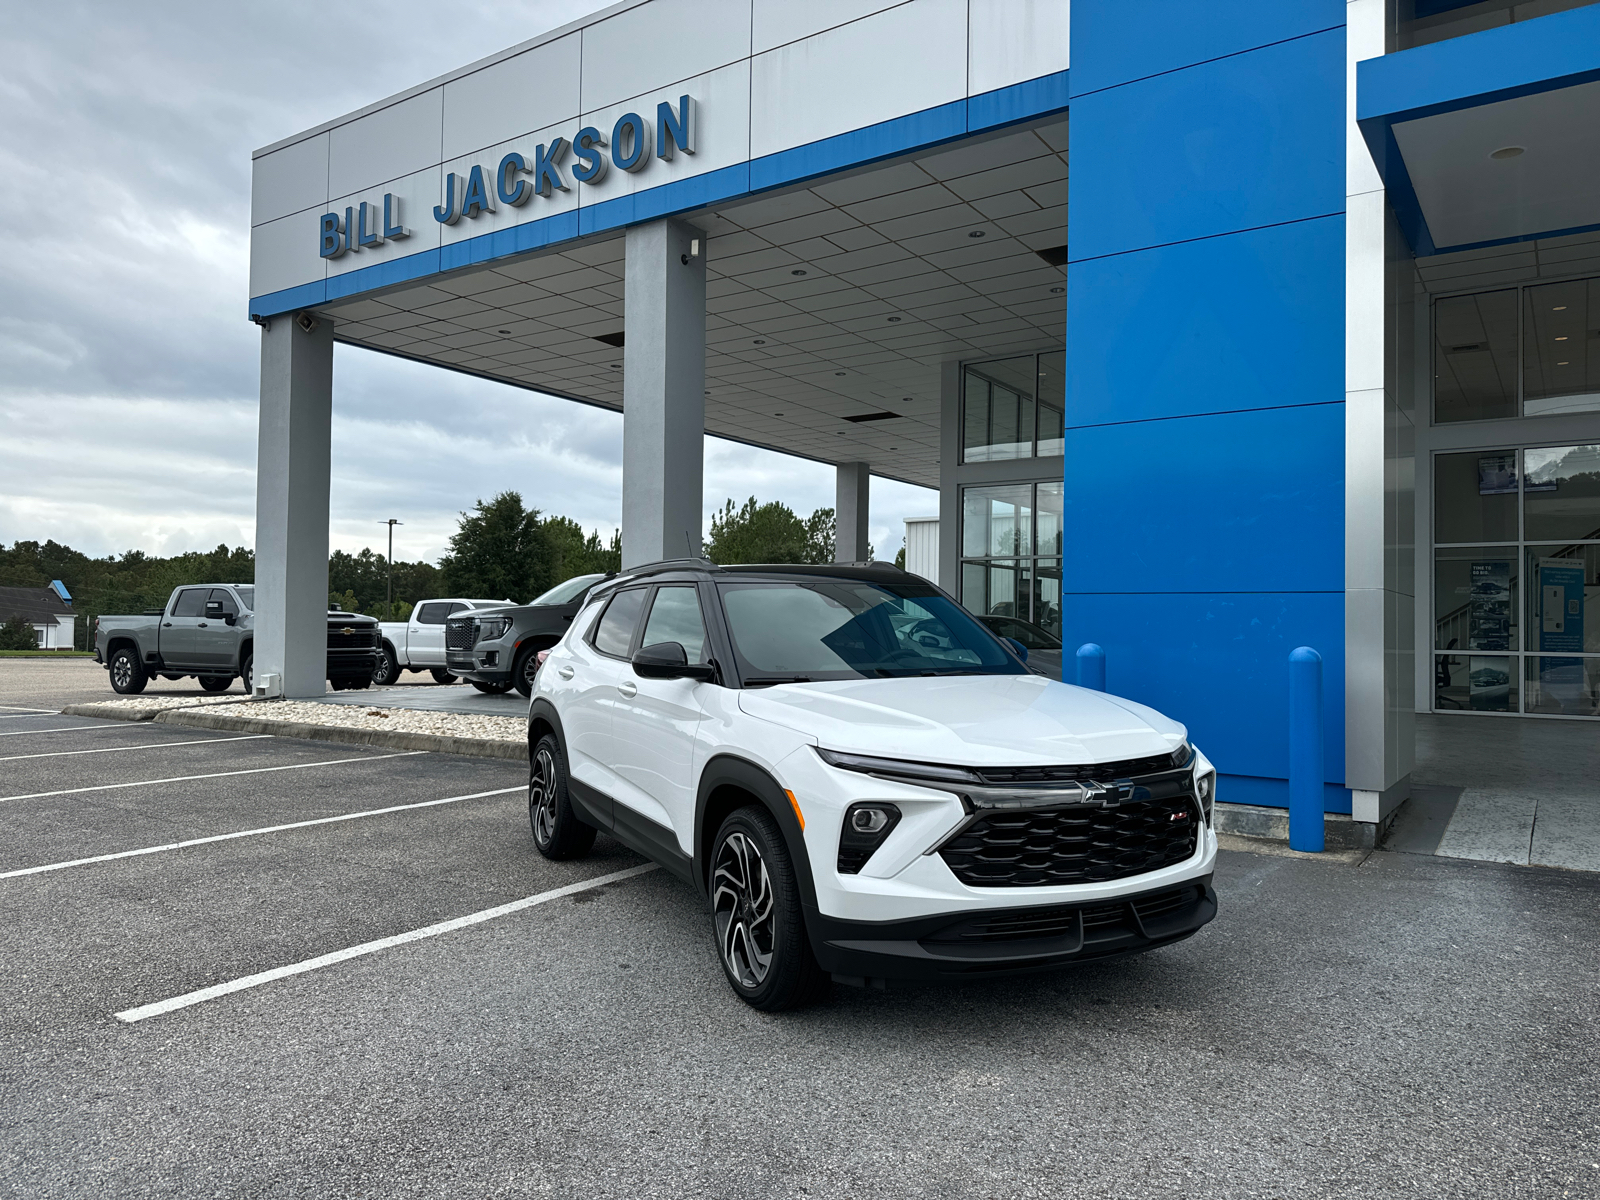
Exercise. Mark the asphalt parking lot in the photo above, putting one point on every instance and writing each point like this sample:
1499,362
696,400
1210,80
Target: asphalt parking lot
1412,1027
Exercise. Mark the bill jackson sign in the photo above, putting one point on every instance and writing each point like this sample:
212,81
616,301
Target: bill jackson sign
517,180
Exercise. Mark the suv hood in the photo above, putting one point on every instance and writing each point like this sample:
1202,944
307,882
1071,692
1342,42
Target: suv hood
967,720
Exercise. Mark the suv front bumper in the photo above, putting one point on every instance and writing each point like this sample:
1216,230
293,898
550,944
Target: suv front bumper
474,667
1010,941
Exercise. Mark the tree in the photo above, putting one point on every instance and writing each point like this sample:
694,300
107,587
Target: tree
499,552
17,634
770,533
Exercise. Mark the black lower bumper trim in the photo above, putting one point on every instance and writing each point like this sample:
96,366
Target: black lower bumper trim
1011,941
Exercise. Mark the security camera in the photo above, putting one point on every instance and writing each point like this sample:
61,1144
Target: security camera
306,322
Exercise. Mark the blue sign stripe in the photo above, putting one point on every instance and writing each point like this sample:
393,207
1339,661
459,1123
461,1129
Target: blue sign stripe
1010,105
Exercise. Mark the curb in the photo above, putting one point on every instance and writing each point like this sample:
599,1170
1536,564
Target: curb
200,718
1340,833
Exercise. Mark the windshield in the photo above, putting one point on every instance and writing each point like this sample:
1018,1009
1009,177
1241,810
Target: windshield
849,629
566,593
247,597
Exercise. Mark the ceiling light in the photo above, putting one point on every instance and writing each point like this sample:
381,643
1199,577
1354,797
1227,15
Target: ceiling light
761,341
506,332
1559,308
1562,338
1561,364
907,399
797,272
1058,289
838,372
1507,152
892,320
777,414
976,233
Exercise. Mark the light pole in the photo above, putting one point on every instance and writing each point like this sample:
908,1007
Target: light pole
388,583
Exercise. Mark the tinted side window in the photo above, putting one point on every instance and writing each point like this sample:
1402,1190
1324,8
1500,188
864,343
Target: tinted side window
675,617
456,607
191,602
614,634
433,614
223,596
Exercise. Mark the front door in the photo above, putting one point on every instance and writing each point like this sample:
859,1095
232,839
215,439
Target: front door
184,630
653,734
596,671
425,633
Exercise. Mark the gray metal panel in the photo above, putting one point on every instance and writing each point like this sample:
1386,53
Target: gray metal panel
387,144
657,43
289,180
1010,41
852,502
505,99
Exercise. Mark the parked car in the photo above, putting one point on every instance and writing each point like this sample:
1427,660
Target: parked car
855,803
417,643
1043,647
208,631
497,649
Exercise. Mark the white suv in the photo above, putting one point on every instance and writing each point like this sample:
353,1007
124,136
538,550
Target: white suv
864,782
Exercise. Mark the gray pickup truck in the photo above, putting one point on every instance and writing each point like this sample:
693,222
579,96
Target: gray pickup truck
208,631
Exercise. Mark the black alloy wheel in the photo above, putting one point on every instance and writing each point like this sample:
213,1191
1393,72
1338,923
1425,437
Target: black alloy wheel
247,673
491,689
127,672
388,669
557,831
757,918
440,675
522,675
216,683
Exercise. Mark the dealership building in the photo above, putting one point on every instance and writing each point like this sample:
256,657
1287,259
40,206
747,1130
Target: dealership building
1221,329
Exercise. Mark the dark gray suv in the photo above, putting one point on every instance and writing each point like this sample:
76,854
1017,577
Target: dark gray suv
497,649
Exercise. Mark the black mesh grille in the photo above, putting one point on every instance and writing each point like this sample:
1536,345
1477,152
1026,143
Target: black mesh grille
1126,768
1099,920
1080,844
352,637
460,635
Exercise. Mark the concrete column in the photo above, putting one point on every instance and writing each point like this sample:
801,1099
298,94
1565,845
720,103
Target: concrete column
292,463
850,512
949,478
663,393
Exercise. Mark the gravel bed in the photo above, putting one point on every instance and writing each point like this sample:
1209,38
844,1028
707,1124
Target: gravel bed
400,720
134,704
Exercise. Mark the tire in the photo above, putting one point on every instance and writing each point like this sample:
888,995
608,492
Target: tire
247,674
440,675
558,832
526,668
387,671
756,916
216,683
491,689
127,672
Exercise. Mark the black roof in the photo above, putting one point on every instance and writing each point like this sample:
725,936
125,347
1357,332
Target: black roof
32,604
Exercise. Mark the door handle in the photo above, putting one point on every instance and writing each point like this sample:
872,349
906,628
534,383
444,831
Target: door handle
202,625
628,688
166,624
564,672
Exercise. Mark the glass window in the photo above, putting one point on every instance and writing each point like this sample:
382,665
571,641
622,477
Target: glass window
994,589
1563,687
1052,402
247,597
1047,521
1560,579
1475,496
571,590
997,520
191,602
675,617
998,421
1561,348
846,629
433,613
1047,595
1562,493
1475,357
614,634
1475,600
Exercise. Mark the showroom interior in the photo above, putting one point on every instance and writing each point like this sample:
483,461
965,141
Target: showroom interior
1313,366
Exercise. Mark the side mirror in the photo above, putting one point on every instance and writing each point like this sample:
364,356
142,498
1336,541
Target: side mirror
668,660
1022,651
214,610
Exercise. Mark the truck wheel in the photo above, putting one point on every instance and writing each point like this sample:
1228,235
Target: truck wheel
127,673
216,683
557,830
247,673
440,675
527,667
388,669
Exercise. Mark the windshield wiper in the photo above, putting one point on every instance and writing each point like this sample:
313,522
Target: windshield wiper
757,680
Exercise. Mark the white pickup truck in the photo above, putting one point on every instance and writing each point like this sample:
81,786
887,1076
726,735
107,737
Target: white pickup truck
417,644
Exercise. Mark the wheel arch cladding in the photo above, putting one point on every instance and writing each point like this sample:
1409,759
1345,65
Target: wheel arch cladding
730,783
122,642
543,719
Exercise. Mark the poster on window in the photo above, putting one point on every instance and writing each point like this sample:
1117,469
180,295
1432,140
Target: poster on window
1489,684
1489,612
1497,475
1560,609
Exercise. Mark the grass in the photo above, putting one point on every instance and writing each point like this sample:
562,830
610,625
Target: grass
46,653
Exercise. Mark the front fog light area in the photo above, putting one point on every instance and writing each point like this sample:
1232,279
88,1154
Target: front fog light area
1205,788
865,826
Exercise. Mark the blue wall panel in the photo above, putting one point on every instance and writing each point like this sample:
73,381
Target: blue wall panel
1247,141
1250,320
1242,502
1220,664
1117,41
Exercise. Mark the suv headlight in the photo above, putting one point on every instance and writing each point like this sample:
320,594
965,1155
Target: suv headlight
492,628
1182,755
1205,790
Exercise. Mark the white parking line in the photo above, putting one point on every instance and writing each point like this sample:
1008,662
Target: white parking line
106,787
145,1011
29,712
67,729
228,837
17,708
248,737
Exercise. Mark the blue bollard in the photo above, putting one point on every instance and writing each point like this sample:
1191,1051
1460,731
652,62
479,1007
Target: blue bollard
1305,750
1091,667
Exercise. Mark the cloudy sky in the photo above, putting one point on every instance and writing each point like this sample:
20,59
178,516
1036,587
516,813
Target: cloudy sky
128,370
